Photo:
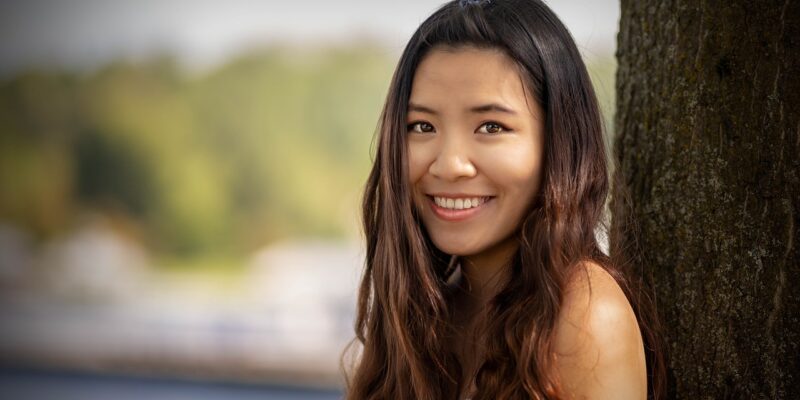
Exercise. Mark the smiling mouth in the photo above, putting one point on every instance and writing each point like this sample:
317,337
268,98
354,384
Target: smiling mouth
458,209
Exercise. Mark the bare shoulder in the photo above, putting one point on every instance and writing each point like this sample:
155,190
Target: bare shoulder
598,344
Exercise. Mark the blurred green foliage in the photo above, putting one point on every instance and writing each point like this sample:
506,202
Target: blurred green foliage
269,145
273,144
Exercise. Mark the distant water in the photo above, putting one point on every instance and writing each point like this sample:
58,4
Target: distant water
39,385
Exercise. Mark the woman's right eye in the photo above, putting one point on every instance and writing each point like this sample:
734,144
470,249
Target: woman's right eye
420,127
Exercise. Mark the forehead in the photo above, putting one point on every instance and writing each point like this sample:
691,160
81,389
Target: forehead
450,76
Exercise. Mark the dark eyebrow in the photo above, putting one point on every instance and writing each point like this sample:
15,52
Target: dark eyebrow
492,107
485,108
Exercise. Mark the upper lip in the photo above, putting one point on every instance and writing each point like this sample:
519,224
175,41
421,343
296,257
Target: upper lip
457,195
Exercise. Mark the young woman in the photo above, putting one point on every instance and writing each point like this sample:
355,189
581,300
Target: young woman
483,277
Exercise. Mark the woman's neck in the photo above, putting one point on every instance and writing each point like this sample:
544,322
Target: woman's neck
485,273
482,277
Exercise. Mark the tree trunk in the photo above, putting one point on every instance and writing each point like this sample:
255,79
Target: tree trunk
708,142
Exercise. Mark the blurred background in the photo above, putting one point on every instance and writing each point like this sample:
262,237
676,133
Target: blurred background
180,185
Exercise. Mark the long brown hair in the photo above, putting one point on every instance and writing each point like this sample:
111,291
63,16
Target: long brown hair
404,309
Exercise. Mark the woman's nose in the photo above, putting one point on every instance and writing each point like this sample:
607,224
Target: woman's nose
452,161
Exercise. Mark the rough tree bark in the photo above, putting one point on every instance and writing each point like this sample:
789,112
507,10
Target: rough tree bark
708,142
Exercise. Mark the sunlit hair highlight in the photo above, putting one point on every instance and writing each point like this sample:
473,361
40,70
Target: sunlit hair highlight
404,310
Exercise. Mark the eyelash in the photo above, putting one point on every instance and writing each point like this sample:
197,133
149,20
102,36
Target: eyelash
503,128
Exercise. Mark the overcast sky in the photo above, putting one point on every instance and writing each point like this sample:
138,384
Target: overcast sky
202,33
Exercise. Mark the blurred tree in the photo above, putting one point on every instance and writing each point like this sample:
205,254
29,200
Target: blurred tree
36,118
272,144
108,174
708,124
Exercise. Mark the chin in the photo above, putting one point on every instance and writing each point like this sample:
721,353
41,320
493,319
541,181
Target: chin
456,247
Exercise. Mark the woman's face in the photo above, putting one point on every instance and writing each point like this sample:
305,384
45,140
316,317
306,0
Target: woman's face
475,148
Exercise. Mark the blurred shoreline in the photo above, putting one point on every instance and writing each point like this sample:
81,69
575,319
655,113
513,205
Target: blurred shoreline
286,319
40,383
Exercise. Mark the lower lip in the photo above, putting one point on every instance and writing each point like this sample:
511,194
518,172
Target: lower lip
448,214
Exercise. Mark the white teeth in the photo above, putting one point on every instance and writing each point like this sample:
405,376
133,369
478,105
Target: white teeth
458,204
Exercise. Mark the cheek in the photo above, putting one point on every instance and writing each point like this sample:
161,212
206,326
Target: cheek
417,166
518,171
418,161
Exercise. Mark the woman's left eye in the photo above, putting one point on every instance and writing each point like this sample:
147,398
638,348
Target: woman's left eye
492,128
